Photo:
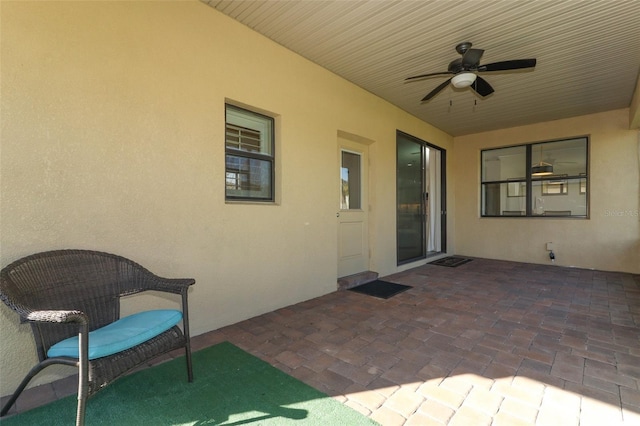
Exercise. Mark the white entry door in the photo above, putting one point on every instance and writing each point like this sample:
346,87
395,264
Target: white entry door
353,228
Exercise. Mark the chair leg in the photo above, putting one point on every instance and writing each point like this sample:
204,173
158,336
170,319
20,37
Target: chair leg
35,370
18,391
187,337
187,351
83,373
82,404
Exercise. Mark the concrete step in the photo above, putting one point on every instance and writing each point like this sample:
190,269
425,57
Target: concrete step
354,280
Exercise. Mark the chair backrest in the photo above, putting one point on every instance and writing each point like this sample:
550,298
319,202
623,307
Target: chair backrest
88,281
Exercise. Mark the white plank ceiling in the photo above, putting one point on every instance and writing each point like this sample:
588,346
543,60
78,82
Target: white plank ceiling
588,52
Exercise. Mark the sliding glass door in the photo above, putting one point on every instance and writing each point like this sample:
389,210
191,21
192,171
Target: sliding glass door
421,213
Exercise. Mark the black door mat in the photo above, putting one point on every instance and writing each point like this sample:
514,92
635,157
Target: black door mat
451,261
381,289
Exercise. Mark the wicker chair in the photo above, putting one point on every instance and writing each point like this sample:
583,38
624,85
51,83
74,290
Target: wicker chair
68,294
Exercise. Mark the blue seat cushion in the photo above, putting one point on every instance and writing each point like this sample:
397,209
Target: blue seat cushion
120,335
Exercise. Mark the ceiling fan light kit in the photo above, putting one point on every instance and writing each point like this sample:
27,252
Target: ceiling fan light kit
463,80
465,71
542,169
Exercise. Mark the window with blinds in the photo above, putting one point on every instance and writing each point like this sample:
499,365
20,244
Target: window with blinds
242,138
249,163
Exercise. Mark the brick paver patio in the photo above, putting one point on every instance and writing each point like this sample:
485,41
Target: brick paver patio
487,343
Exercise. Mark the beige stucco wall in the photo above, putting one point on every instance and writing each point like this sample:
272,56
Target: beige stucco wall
112,139
609,240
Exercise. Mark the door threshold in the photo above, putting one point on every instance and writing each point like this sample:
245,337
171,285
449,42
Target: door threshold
350,281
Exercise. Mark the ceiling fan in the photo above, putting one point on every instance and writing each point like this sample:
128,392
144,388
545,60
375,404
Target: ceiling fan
464,71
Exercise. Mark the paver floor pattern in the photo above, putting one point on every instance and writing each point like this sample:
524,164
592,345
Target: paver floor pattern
487,343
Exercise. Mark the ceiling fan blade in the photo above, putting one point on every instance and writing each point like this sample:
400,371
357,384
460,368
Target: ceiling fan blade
481,87
515,64
436,90
471,58
417,77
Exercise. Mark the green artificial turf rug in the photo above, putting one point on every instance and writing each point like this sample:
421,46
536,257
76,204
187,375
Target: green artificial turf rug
230,387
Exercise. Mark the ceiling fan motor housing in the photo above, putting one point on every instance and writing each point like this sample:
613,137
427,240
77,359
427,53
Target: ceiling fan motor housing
455,66
463,47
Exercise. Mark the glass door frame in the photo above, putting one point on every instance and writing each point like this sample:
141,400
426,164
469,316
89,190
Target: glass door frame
443,204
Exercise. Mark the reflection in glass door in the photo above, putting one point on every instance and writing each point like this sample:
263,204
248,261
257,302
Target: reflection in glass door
420,205
410,208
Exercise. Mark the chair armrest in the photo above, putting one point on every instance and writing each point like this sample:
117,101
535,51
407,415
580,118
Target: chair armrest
169,285
57,316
